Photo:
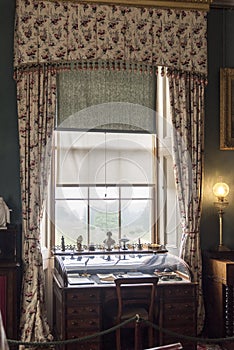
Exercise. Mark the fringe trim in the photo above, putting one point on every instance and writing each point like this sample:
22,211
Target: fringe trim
134,67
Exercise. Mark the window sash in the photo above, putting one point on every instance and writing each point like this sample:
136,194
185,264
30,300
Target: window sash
119,212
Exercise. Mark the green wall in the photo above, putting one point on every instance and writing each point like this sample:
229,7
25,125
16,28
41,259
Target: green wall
9,149
217,163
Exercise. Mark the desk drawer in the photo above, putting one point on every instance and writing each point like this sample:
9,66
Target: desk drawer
179,308
182,320
84,295
85,323
179,291
86,310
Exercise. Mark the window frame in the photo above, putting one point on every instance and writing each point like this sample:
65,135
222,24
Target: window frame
151,197
160,155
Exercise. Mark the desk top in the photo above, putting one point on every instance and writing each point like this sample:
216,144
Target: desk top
104,269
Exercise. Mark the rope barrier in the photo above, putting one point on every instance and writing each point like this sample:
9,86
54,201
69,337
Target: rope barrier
137,318
71,341
191,338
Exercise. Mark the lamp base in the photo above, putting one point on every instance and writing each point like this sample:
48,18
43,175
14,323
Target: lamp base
222,248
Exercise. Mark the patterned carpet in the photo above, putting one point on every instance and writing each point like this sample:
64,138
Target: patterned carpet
209,347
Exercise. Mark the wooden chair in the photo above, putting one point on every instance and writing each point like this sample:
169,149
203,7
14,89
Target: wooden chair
136,296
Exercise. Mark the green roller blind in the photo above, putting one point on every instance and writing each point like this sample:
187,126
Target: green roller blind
106,99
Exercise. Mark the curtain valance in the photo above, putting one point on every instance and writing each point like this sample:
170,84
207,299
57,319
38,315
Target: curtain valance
49,32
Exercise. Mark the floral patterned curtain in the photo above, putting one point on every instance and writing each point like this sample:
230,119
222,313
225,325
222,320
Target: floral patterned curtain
49,34
36,106
187,104
58,31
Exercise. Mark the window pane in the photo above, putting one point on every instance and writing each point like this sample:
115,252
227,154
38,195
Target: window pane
104,192
136,192
104,217
136,220
71,192
98,158
71,220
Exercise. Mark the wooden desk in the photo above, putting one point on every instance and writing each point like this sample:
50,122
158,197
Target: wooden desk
80,311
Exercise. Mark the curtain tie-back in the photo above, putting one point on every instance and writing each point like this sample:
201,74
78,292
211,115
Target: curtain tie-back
32,239
192,234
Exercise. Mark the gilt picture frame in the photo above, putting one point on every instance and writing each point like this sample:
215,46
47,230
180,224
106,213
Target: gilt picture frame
226,108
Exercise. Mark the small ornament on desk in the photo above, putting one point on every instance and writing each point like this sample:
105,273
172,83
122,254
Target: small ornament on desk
62,244
139,245
4,214
109,241
92,247
79,243
124,240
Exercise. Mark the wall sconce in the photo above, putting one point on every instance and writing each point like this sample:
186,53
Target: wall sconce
221,190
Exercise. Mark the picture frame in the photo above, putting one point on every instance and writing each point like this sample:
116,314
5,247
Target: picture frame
226,108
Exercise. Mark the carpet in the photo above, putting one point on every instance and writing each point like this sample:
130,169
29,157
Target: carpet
209,347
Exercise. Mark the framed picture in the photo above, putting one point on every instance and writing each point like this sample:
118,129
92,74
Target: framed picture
227,108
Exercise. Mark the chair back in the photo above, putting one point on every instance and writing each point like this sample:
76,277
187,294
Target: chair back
135,292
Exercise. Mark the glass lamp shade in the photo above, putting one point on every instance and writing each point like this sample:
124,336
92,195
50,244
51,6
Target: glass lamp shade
221,190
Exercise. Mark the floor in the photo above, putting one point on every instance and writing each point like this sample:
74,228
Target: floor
210,347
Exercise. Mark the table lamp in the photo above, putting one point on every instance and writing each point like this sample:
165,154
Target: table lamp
221,190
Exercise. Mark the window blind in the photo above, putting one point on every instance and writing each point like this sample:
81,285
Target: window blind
107,100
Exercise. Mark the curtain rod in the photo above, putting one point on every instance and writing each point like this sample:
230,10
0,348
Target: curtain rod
203,5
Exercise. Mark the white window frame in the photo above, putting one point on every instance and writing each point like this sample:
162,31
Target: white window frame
165,231
168,224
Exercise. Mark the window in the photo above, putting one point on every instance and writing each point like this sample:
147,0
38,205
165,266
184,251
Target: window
103,182
114,178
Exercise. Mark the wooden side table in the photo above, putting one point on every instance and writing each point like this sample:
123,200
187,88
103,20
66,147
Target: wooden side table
219,293
9,281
